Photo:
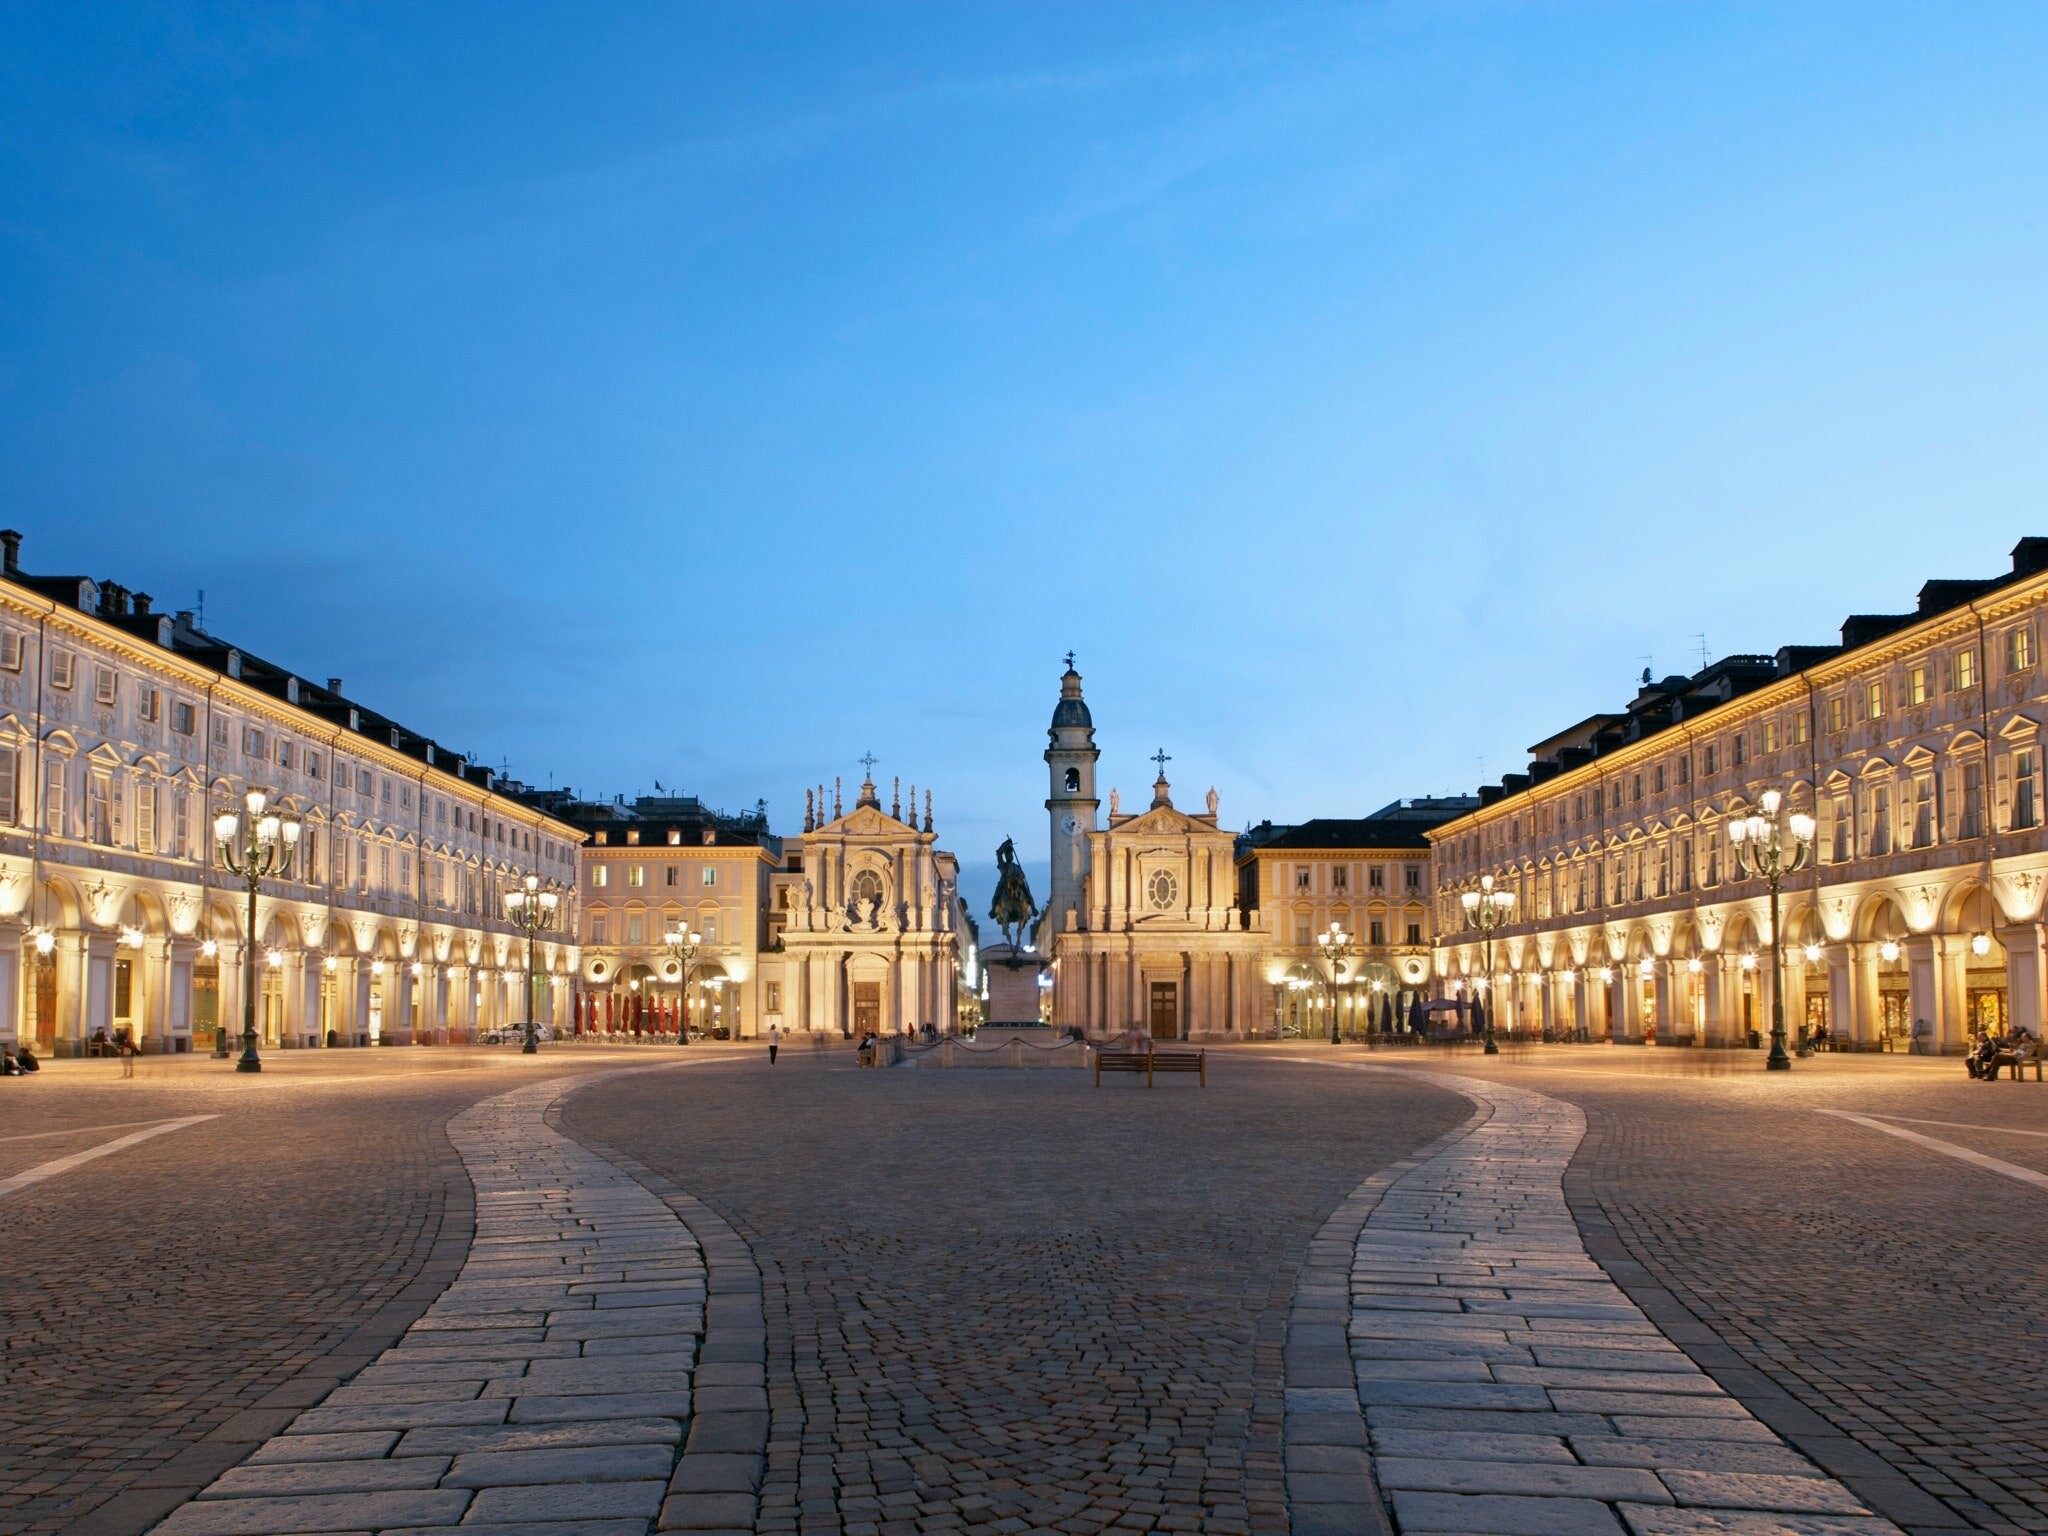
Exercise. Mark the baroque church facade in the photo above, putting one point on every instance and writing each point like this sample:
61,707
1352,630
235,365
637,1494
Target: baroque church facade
1142,923
869,933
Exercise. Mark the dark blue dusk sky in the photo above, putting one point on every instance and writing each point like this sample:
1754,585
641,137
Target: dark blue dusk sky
712,393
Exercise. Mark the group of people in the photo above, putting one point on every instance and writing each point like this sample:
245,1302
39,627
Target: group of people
1991,1053
18,1060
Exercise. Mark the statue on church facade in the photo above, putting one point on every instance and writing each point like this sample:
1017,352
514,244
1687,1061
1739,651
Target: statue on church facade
1014,908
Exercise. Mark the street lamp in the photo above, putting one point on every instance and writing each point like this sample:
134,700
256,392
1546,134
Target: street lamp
1337,948
533,911
264,847
682,944
1773,845
1487,908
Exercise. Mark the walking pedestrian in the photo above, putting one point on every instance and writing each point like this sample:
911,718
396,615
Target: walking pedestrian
774,1042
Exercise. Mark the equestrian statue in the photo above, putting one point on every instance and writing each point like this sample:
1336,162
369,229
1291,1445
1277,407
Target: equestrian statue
1013,910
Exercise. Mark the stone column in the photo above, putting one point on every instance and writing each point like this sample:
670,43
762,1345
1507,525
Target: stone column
302,981
1952,989
2024,984
1842,1020
14,999
1932,988
1713,983
181,954
152,966
1667,1020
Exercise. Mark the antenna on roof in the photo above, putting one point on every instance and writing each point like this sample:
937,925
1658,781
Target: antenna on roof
1704,663
1648,663
199,612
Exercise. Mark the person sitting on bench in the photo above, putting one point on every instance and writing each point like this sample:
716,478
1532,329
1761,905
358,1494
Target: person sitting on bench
1982,1054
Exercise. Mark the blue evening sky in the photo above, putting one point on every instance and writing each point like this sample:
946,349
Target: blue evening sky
710,393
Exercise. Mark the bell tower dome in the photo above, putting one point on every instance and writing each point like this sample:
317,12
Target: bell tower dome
1070,764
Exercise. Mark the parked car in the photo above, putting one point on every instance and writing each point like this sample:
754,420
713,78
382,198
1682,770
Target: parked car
515,1034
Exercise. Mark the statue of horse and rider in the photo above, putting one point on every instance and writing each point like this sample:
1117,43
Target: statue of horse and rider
1014,910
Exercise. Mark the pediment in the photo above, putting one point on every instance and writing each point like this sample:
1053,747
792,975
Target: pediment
2020,728
866,821
1164,821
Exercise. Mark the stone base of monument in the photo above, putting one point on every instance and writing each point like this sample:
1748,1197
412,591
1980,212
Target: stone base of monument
996,1045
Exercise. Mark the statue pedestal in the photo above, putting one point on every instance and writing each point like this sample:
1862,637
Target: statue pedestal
1013,992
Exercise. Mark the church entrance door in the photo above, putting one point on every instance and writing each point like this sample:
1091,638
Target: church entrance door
1165,1010
867,1008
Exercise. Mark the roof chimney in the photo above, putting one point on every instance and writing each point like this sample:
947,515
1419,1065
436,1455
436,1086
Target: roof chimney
10,552
334,685
142,602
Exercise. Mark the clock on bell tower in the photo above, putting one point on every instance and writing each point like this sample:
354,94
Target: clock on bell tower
1070,763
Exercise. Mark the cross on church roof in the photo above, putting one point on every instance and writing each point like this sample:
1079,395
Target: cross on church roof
1070,661
1162,760
868,762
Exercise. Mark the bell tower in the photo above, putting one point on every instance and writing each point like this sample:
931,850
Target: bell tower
1070,764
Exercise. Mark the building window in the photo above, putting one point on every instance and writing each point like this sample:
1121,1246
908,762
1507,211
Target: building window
1877,837
636,928
600,928
183,718
669,875
1162,889
63,669
1415,933
312,765
1657,780
1301,935
710,877
1916,685
10,770
1972,824
1738,749
1873,700
1770,733
1966,668
600,875
152,704
1921,788
2024,814
1302,877
2019,649
1709,760
775,997
636,875
1685,770
1376,931
1376,878
1838,714
1073,781
99,808
1799,727
12,647
1413,874
106,685
1340,878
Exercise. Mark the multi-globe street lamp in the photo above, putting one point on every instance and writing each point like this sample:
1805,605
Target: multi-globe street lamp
1487,908
1773,844
262,848
683,944
1337,949
534,912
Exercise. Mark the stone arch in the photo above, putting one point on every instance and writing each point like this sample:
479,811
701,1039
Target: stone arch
1880,917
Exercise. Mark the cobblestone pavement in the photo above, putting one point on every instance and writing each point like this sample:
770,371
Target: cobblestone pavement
1008,1301
551,1382
1876,1302
169,1306
1507,1384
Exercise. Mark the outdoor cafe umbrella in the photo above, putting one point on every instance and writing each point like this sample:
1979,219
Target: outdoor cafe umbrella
1415,1012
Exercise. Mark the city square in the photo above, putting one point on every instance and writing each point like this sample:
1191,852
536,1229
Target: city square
855,769
994,1300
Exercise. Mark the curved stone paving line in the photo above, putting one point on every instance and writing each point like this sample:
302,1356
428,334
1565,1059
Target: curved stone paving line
549,1388
1507,1385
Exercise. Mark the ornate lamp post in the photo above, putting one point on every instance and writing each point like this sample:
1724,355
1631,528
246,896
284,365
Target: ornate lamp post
264,847
1337,948
683,945
1773,845
1486,909
533,911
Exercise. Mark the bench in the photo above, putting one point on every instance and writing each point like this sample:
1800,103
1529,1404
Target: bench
1150,1062
2019,1061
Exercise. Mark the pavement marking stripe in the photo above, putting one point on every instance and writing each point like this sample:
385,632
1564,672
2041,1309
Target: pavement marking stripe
1948,1148
80,1130
64,1164
1964,1125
